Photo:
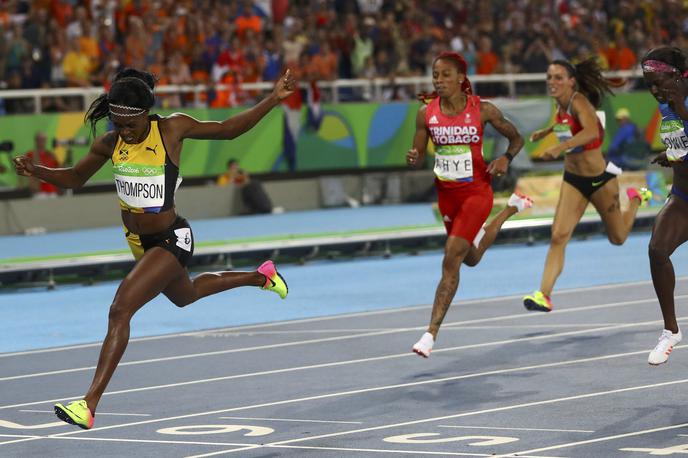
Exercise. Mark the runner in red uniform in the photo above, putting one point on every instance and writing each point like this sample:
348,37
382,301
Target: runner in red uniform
454,121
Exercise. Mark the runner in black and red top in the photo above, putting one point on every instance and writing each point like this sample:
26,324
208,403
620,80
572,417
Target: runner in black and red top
578,90
454,120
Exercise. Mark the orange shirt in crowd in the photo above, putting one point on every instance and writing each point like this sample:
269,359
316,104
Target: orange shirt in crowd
325,66
625,59
244,23
487,63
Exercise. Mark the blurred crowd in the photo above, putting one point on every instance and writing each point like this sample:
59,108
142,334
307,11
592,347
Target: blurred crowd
79,43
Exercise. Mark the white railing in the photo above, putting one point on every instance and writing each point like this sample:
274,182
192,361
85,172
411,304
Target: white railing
374,86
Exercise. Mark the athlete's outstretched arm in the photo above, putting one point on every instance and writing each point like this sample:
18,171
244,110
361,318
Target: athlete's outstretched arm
184,126
540,134
493,115
75,176
415,157
585,112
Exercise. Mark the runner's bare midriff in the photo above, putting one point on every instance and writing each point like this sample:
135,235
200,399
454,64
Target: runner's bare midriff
586,163
148,223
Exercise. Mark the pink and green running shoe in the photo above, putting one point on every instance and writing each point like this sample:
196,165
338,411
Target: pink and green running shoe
273,280
537,302
75,413
643,194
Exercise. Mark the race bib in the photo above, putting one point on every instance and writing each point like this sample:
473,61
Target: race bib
563,133
674,138
454,163
140,186
184,238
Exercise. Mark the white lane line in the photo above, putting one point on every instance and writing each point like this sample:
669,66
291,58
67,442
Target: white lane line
599,439
497,409
446,326
377,450
224,452
99,413
19,436
147,441
354,361
26,439
457,327
459,301
530,326
366,390
298,420
294,331
208,333
519,429
415,452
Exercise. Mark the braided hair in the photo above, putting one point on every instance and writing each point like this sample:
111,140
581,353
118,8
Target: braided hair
461,66
131,91
590,81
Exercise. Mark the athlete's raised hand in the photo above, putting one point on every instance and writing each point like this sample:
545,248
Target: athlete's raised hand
24,165
285,85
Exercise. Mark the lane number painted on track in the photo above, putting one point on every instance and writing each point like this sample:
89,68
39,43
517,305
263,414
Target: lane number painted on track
676,449
424,438
216,429
13,425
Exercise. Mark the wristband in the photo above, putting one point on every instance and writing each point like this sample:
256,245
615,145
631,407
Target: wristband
509,156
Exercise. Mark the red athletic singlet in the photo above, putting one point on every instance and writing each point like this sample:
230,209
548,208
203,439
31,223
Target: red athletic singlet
463,184
458,144
566,126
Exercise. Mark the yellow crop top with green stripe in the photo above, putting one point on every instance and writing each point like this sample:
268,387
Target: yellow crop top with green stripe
145,177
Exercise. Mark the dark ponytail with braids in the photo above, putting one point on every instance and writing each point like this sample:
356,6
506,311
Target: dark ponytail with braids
590,81
462,67
131,88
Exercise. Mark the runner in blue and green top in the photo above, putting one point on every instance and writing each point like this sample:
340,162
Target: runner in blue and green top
145,153
665,72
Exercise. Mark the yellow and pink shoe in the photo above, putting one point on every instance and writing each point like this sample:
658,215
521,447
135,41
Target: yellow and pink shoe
538,302
75,413
273,280
643,194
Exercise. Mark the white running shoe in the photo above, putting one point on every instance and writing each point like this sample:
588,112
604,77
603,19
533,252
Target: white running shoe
666,344
519,201
424,346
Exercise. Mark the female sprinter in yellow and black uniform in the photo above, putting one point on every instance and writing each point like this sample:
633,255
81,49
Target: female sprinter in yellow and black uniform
145,152
578,90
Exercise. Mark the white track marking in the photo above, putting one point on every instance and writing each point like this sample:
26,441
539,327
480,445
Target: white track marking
355,361
417,452
99,413
298,420
147,441
331,317
368,390
599,439
446,326
12,425
500,409
519,429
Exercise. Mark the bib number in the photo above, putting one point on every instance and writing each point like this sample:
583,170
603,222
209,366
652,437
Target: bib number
674,138
454,163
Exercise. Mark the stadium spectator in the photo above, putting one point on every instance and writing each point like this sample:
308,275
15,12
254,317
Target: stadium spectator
507,34
40,155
